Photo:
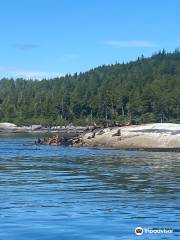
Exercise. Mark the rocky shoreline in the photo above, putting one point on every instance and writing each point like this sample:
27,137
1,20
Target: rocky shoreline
152,137
149,136
12,128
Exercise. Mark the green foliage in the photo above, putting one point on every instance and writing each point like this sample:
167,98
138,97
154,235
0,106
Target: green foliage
146,90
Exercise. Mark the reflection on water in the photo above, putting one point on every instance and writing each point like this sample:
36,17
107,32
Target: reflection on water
80,193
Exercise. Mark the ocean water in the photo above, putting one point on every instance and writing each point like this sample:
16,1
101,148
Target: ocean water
54,193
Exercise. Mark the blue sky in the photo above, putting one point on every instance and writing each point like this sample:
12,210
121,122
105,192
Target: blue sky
47,38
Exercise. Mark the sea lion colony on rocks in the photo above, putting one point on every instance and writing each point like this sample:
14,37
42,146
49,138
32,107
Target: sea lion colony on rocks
89,133
149,136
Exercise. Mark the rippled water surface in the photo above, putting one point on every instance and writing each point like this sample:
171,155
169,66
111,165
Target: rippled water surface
82,193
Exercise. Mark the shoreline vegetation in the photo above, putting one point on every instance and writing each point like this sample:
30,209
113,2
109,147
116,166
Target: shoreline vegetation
153,137
143,91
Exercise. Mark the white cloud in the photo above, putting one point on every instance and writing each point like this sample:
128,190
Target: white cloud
27,74
135,43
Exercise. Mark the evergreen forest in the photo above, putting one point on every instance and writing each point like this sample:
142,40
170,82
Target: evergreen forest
142,91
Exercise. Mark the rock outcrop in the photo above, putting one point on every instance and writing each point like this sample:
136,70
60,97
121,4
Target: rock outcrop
148,136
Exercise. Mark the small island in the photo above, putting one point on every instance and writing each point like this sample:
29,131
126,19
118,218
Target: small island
157,136
154,137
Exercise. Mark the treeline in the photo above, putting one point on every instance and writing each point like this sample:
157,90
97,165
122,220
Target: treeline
146,90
